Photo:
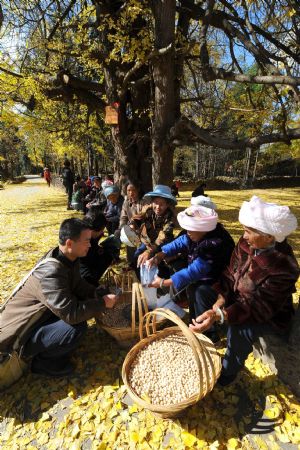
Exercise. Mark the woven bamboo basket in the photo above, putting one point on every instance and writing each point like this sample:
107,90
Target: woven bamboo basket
132,293
206,356
121,280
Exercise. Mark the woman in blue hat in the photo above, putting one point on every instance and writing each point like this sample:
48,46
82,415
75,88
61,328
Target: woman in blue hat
113,208
155,224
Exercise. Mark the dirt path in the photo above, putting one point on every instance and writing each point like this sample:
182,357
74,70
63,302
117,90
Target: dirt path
29,220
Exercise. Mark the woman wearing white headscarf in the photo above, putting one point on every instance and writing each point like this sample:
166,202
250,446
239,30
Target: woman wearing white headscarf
207,247
255,291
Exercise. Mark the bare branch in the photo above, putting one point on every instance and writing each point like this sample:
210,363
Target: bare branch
61,19
1,16
217,21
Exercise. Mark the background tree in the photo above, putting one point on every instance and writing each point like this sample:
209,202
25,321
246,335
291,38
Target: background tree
181,72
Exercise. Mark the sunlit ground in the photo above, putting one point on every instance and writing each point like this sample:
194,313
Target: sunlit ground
90,410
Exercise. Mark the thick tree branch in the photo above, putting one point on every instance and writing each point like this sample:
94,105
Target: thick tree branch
77,83
132,71
70,95
185,126
221,74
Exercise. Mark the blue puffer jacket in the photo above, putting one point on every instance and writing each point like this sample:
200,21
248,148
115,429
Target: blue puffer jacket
206,258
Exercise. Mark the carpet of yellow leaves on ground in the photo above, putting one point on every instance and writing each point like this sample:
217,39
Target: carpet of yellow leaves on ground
91,410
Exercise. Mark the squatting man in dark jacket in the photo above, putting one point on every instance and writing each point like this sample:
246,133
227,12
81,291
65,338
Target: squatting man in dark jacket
46,318
254,293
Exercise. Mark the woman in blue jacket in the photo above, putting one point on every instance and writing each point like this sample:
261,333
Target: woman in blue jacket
207,247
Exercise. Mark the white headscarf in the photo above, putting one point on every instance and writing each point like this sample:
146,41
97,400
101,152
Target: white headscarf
198,218
203,200
276,220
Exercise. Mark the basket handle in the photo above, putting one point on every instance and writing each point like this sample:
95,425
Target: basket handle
150,318
138,299
111,273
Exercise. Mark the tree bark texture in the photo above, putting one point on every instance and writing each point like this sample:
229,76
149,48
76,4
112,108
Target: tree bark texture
163,69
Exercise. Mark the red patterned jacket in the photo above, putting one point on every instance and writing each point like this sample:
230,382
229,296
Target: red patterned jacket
258,289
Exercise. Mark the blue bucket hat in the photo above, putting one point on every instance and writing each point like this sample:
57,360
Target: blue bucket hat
162,191
111,190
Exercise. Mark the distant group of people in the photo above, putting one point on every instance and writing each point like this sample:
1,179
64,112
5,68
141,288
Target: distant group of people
248,286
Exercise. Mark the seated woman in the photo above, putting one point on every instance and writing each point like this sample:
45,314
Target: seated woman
199,190
91,198
254,293
208,247
132,206
99,257
112,210
155,224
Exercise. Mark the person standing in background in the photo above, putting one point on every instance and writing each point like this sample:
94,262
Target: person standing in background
68,180
47,175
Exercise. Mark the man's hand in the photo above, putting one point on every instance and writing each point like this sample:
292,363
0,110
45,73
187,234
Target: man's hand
110,300
203,322
143,258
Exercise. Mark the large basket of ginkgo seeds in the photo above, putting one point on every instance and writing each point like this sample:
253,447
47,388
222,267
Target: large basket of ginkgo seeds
172,369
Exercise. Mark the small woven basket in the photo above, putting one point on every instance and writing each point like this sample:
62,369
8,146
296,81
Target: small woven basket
121,280
206,356
132,293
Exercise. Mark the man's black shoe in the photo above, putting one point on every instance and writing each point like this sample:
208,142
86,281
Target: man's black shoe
44,368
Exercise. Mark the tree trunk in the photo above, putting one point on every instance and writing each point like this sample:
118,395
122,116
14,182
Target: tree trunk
96,165
90,161
255,164
130,138
247,166
163,69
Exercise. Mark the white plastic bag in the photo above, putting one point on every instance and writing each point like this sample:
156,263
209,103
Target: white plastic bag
166,302
150,294
147,274
162,302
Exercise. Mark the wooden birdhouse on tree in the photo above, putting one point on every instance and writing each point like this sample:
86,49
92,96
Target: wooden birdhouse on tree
112,114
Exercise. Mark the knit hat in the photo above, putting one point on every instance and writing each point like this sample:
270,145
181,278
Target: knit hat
276,220
203,200
162,191
111,190
198,218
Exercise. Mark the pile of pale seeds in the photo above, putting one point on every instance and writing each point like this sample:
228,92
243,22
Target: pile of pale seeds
165,371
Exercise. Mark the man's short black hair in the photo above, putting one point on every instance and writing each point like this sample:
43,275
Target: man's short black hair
72,229
95,218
